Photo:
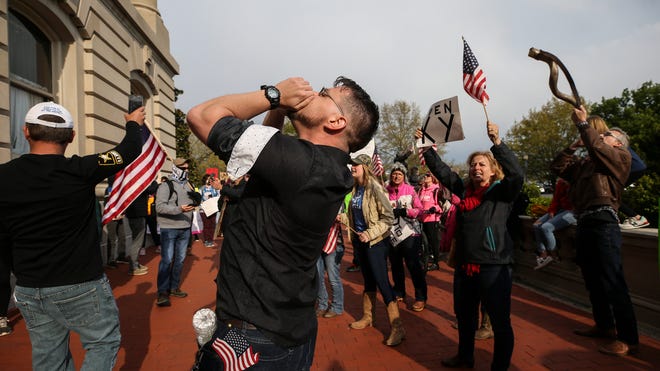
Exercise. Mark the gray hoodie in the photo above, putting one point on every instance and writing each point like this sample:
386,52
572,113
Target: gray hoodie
169,211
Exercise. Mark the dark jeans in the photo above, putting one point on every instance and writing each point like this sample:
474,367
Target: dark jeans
373,266
491,286
432,236
599,256
410,251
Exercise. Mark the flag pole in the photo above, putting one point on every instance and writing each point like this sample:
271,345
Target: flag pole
485,112
146,124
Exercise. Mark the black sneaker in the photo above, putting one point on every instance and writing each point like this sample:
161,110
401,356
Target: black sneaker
163,301
178,293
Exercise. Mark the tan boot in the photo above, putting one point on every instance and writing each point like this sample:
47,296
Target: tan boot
398,333
486,330
369,311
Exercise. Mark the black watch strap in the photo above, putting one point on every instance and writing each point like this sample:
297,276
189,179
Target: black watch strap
272,94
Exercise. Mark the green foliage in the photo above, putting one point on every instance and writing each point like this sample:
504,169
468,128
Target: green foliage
540,136
643,197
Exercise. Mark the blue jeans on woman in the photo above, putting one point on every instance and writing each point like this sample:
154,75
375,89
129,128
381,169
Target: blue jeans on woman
373,265
545,226
174,244
330,263
51,313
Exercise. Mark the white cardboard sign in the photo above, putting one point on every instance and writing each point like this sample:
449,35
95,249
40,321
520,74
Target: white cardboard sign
442,124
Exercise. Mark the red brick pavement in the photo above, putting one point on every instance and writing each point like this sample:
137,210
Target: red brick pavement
156,338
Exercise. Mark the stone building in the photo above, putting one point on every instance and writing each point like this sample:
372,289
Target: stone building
89,56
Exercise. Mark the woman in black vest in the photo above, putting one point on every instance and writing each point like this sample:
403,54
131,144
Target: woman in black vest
483,245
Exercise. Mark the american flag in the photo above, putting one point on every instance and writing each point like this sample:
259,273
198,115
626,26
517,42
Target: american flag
474,78
376,164
331,242
235,352
134,178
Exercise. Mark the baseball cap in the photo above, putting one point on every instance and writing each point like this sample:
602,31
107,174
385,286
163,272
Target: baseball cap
361,160
35,113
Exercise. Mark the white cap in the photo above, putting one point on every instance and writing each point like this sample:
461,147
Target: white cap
49,108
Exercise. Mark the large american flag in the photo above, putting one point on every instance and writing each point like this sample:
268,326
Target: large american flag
236,353
376,164
474,78
134,178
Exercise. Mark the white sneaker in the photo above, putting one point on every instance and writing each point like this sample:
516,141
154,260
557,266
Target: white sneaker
632,223
542,262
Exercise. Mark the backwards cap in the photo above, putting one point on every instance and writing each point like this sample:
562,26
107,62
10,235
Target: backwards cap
49,108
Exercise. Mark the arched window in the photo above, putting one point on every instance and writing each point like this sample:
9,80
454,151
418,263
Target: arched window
30,75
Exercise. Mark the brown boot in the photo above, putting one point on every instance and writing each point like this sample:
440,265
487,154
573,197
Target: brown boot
398,333
485,331
369,311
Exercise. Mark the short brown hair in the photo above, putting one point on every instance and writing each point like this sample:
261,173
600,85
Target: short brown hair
48,134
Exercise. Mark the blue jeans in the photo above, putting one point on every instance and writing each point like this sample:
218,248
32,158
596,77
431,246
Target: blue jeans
330,263
174,244
373,265
492,287
87,308
598,254
410,251
545,226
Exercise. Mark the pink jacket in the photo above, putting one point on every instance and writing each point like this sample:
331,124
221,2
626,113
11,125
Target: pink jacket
404,196
429,198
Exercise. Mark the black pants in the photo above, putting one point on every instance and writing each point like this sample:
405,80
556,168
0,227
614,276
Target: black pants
410,251
598,254
431,232
491,286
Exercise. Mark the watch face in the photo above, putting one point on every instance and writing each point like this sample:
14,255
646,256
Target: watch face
272,93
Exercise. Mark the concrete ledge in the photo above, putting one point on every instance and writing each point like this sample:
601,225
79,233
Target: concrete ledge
563,280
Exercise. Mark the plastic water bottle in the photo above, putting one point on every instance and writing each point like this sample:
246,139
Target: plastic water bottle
204,322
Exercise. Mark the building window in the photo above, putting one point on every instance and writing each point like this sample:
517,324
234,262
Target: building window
30,75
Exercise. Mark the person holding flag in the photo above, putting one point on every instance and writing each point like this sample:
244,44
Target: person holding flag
483,247
50,224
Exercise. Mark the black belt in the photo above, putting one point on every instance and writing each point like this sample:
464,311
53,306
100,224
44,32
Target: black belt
239,324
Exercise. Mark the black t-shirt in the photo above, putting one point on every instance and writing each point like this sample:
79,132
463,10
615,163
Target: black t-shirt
48,213
278,228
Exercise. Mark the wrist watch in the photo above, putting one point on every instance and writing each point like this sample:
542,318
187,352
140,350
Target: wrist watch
272,94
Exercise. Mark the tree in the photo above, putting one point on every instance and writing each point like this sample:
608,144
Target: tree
396,132
537,138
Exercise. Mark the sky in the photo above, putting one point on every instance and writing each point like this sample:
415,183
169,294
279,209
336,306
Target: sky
412,50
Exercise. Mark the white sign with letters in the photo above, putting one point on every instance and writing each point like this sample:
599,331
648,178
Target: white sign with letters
442,124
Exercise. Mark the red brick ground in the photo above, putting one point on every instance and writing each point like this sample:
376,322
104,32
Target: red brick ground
156,338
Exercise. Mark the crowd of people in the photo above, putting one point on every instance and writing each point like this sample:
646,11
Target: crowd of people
283,231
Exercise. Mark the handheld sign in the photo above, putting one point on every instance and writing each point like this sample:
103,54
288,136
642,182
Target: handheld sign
442,124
